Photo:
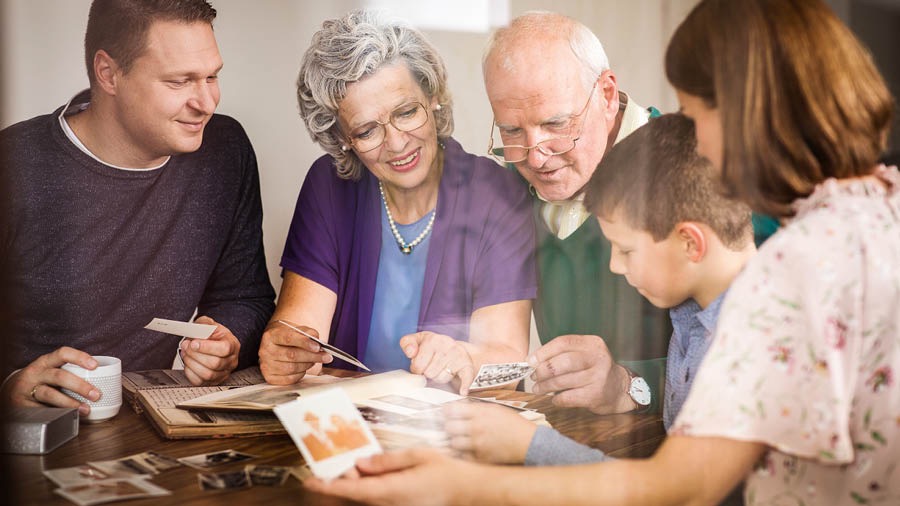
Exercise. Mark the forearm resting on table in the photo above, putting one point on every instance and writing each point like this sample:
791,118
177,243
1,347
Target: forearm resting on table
685,470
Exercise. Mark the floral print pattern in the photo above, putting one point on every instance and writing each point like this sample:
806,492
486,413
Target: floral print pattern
807,350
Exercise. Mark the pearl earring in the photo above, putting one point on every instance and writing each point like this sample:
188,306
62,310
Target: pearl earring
344,148
437,107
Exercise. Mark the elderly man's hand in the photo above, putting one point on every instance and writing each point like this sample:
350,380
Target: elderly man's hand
581,372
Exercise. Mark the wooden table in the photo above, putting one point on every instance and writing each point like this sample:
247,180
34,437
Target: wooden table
129,433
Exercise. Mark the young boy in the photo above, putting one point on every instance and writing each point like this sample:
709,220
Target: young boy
677,240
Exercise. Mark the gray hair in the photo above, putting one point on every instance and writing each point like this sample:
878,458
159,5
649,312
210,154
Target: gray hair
347,50
547,26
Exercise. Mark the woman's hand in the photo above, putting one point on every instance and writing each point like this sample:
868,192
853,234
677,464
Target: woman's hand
285,354
439,358
421,477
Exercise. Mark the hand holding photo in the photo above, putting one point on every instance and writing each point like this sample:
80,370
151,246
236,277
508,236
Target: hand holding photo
327,348
495,375
183,329
329,431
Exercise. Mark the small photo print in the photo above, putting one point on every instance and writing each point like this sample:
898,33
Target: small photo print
78,475
301,472
104,491
224,481
495,375
147,463
516,405
329,431
209,460
268,476
407,402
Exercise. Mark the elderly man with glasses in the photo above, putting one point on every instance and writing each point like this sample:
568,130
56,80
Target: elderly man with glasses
557,109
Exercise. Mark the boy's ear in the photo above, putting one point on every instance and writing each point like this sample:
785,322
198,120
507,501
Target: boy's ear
694,240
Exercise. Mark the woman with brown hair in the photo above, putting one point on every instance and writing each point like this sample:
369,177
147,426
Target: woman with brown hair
798,393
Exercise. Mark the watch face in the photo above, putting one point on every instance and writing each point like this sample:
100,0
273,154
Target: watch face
640,391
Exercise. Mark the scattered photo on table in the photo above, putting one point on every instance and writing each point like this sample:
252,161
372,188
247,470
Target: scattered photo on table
496,375
146,463
407,402
208,460
301,472
268,476
329,431
517,405
116,489
224,481
77,475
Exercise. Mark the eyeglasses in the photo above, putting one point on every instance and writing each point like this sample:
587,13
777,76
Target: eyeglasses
550,147
405,118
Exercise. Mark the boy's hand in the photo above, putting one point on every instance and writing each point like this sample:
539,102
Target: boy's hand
582,373
488,433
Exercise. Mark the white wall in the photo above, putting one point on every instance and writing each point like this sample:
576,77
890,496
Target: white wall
262,41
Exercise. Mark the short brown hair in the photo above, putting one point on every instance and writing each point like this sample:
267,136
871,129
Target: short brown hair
799,96
654,179
120,27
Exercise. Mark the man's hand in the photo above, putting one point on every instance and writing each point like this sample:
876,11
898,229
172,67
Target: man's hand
581,372
210,361
39,382
439,358
285,355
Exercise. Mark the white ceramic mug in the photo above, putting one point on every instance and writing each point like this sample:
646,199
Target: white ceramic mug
107,377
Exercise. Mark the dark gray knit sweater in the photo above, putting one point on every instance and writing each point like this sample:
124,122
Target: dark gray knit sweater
93,253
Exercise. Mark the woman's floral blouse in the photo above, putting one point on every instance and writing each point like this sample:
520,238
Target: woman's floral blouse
806,356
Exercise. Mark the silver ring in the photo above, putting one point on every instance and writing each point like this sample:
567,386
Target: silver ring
448,371
33,391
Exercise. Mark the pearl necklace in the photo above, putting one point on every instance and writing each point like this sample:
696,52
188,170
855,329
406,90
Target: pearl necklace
404,247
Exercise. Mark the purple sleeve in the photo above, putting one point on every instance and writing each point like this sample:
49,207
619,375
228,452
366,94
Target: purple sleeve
505,270
311,246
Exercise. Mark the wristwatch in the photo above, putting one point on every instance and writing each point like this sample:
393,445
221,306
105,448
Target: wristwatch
638,389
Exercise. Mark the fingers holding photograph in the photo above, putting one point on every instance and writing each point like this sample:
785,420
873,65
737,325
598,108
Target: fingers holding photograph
329,432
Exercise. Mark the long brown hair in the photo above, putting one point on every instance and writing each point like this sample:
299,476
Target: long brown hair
799,96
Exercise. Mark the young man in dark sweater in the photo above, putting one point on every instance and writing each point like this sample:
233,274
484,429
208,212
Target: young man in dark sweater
130,202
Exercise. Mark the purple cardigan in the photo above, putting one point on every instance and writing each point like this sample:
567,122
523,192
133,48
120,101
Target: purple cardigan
481,251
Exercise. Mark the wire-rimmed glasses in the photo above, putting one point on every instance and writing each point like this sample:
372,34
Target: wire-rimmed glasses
405,118
514,153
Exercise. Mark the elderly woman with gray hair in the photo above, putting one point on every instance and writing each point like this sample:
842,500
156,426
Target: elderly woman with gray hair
404,250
